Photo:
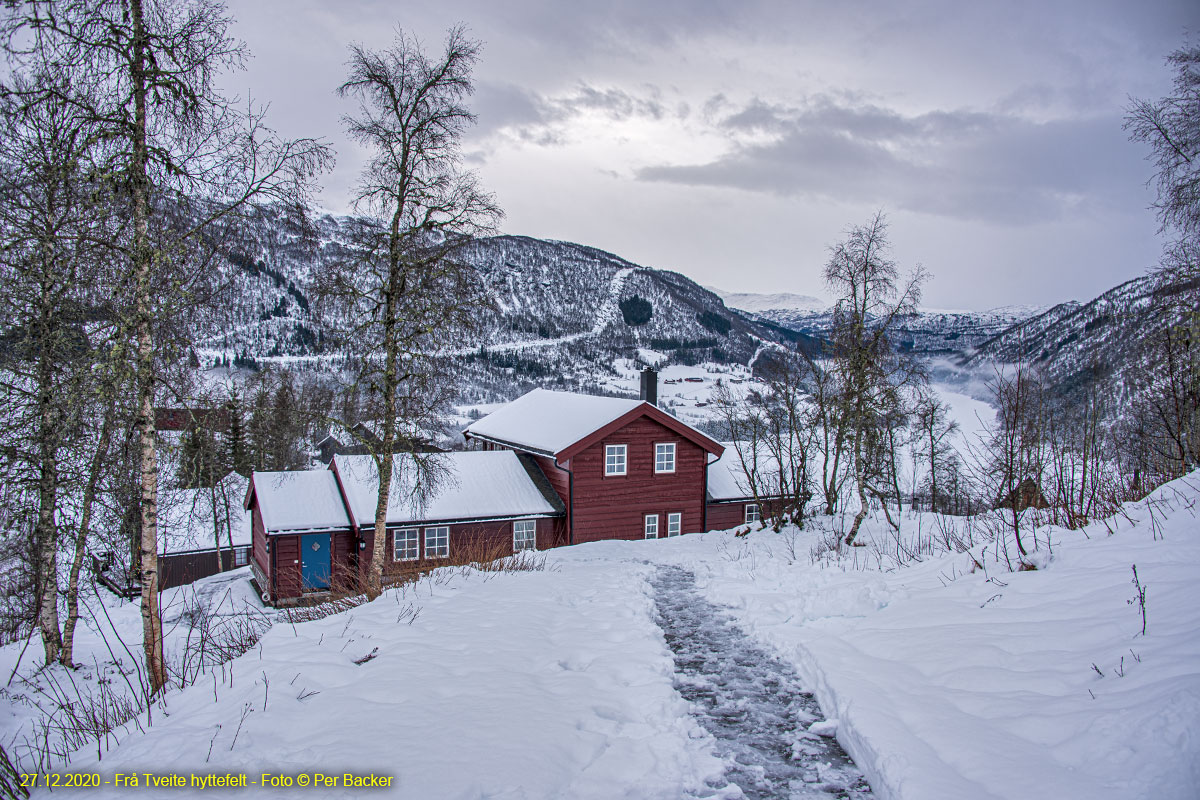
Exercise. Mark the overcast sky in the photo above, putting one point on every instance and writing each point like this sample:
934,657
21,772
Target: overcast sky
734,142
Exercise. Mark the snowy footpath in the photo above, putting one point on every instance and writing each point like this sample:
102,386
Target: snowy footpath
770,731
688,668
549,684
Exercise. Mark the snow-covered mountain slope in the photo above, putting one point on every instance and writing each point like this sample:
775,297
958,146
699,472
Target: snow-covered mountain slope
927,333
1108,339
565,313
548,290
561,311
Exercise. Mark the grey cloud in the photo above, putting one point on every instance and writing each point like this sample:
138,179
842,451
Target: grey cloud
961,164
513,113
503,105
617,103
756,116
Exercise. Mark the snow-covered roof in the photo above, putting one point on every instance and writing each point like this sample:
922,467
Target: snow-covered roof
548,421
186,517
466,485
303,500
727,476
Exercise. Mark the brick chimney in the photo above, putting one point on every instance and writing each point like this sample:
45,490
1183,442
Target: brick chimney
650,386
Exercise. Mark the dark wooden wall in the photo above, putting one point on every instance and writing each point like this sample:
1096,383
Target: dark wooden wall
258,541
559,479
178,569
468,542
612,507
286,558
722,516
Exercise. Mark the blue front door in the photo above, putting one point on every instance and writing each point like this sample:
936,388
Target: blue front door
314,560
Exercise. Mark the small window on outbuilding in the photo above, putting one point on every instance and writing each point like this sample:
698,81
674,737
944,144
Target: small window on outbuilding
241,556
524,535
404,545
752,512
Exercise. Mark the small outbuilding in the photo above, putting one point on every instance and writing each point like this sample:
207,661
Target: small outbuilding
1027,494
303,539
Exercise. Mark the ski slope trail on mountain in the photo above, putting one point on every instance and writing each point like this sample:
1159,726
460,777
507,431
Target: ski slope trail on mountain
606,314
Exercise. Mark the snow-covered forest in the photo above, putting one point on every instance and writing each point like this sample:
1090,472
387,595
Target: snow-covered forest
970,570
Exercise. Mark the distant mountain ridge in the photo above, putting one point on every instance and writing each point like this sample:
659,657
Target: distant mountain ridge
564,313
1106,341
779,301
929,332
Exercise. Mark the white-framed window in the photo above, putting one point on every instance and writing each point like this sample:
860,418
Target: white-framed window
674,523
651,526
437,542
614,459
241,556
752,512
404,545
664,457
524,535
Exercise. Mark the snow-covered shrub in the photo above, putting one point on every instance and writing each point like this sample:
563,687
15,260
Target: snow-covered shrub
213,636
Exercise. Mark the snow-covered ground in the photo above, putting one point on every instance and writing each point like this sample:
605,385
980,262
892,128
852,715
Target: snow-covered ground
942,679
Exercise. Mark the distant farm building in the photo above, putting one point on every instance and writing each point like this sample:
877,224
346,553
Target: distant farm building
1027,494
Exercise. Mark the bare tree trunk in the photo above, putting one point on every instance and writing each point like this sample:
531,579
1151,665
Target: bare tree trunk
221,494
81,536
893,448
391,383
860,478
933,487
46,537
148,455
46,540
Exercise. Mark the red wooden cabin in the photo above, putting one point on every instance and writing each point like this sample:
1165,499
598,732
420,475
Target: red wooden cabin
624,469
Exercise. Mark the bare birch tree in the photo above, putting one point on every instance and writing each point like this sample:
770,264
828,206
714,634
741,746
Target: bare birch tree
48,225
862,354
1171,126
142,79
1015,452
408,295
932,442
1167,406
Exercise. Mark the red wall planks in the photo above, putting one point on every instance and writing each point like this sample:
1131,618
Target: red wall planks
722,516
614,507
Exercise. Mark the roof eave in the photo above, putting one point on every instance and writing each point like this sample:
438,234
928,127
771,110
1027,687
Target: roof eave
552,514
537,451
295,531
643,409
